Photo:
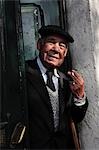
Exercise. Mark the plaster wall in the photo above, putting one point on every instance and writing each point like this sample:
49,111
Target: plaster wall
83,21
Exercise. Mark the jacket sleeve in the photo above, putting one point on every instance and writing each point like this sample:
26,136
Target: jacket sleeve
78,112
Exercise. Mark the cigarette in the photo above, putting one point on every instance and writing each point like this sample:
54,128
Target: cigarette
72,73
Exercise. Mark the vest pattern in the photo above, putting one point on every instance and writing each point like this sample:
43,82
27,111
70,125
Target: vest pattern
54,98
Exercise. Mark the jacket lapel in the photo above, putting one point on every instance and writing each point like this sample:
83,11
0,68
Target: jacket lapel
35,77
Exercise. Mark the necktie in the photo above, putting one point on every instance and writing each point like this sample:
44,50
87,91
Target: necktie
50,83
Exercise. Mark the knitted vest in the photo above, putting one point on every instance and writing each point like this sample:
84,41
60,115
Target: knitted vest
55,106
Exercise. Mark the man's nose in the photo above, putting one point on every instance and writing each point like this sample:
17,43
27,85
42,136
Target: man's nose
56,46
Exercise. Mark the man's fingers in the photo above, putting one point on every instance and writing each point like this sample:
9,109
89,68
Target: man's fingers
76,73
77,78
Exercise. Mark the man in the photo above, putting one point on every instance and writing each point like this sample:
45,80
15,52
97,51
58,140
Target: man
53,99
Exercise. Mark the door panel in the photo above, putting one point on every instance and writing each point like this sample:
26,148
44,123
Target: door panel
31,22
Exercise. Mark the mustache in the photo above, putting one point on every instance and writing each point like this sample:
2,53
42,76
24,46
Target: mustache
53,52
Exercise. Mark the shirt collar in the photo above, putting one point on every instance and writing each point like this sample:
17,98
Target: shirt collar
43,69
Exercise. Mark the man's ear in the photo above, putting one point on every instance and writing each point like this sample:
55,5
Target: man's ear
66,52
39,44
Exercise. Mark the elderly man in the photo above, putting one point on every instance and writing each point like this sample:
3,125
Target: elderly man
53,99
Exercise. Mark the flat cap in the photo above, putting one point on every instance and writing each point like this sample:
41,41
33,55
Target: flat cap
45,31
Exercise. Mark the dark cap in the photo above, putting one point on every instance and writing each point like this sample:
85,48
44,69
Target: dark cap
45,31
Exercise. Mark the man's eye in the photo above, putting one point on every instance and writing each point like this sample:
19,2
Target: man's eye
63,45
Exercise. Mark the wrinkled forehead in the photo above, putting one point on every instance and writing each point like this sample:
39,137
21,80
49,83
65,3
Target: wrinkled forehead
56,38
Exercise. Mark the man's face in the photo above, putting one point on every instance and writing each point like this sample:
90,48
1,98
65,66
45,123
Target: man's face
53,49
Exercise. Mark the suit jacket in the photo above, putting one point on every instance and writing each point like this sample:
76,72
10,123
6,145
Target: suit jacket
41,122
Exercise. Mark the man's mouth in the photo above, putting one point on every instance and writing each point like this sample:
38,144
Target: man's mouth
53,54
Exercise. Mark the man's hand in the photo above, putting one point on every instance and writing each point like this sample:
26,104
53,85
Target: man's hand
77,85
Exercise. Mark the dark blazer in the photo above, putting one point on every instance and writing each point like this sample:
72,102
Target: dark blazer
41,122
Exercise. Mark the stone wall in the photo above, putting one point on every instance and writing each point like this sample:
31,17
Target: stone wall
83,23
